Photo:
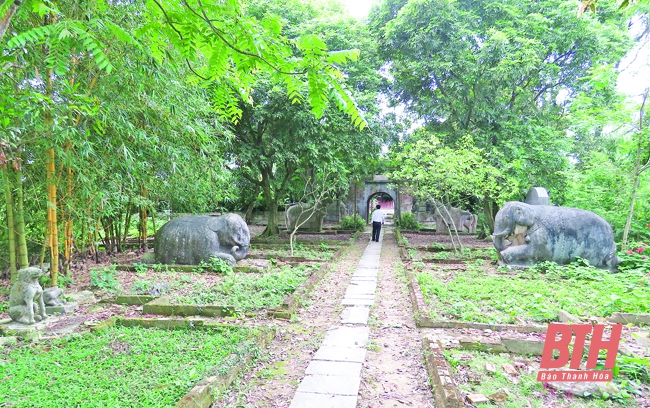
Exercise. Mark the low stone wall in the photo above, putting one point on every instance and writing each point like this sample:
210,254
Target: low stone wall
445,389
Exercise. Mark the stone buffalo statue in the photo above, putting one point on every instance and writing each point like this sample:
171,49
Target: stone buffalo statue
463,221
195,238
468,222
298,213
527,234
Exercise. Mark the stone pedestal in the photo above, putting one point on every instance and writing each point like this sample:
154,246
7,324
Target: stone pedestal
62,309
26,331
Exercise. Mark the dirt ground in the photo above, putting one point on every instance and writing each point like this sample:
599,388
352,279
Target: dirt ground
393,374
272,380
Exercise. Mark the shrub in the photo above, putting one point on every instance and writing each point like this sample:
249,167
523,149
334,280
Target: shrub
353,222
408,222
105,279
635,258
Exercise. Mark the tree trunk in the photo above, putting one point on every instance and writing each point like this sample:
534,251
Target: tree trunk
249,210
272,228
488,209
638,169
271,201
10,223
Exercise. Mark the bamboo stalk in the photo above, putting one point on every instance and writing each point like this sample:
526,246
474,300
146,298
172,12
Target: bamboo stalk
10,224
19,221
51,202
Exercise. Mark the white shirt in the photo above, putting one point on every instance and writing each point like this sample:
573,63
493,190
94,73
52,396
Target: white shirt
378,216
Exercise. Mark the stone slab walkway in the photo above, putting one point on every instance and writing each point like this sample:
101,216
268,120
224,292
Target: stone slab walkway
333,377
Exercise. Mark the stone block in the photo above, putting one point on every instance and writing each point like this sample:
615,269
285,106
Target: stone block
347,337
355,315
331,385
355,301
84,297
482,344
634,318
477,399
346,354
523,346
337,368
509,369
566,317
134,299
643,338
312,400
10,340
367,288
62,309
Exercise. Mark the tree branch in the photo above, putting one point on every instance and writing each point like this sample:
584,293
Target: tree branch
217,32
6,20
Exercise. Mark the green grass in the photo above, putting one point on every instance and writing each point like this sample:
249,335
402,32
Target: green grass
305,252
120,367
473,296
248,292
527,390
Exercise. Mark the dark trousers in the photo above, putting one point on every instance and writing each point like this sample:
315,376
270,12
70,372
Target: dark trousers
376,228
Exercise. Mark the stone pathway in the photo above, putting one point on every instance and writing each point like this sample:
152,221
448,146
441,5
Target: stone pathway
333,377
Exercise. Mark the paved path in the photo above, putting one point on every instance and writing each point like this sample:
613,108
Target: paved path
333,377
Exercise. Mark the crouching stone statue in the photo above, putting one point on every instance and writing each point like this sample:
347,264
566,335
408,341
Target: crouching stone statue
192,239
24,297
306,216
527,234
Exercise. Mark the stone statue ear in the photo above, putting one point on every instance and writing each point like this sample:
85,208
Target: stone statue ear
522,216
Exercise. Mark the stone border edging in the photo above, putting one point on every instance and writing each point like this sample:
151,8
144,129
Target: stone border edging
189,268
291,303
202,395
445,389
307,242
133,300
161,306
630,318
422,319
398,237
288,259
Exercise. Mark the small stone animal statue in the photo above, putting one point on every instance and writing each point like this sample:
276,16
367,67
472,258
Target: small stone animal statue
305,214
468,222
25,294
197,238
52,296
527,234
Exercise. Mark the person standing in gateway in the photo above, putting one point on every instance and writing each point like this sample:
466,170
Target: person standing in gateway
378,219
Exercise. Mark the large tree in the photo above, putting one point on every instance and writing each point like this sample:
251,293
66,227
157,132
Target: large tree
278,139
503,71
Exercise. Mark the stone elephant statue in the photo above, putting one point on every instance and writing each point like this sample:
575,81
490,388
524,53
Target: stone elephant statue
300,212
527,234
195,238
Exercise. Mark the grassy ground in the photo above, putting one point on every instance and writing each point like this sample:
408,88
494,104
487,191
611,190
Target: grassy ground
250,291
515,391
315,252
120,367
474,296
